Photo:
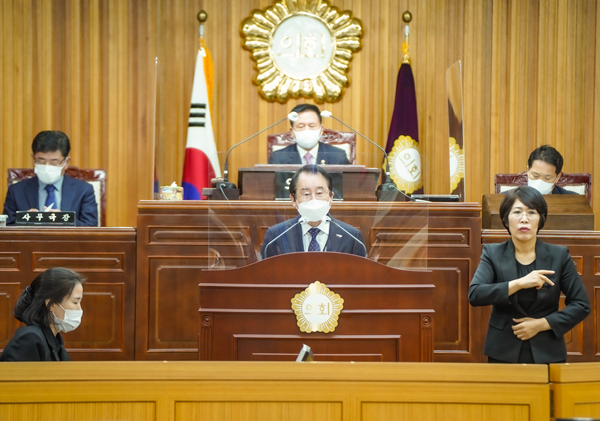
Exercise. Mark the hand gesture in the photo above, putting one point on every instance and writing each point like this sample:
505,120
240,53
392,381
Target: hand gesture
527,327
536,279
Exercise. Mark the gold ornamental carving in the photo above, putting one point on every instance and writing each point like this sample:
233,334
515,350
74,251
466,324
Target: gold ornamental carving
317,308
302,48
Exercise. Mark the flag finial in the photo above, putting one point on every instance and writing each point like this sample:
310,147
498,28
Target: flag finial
406,17
202,16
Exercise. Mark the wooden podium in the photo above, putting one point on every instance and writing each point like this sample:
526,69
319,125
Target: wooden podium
258,183
246,313
565,212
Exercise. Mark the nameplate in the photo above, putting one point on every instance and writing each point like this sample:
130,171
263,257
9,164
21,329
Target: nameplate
45,218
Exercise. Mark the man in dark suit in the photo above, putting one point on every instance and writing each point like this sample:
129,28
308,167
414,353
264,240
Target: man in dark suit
307,130
544,170
314,229
51,189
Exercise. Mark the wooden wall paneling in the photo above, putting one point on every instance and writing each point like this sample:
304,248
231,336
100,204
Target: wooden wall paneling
106,257
595,127
529,70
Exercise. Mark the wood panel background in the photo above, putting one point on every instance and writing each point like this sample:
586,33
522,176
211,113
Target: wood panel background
531,75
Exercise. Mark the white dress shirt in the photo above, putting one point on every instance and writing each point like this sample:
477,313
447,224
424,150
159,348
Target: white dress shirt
322,236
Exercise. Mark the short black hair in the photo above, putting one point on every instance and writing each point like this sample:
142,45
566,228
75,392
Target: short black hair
54,285
300,108
547,154
310,169
528,196
50,141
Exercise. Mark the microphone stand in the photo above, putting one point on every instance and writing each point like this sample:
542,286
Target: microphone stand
225,184
387,191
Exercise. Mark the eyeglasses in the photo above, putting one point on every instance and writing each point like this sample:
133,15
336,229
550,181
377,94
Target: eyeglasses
52,162
306,196
530,214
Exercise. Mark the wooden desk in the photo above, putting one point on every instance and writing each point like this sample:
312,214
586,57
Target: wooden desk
576,390
105,256
359,182
565,212
176,240
583,341
246,313
249,391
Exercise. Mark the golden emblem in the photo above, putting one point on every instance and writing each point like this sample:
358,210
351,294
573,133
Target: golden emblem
405,164
302,48
317,308
457,164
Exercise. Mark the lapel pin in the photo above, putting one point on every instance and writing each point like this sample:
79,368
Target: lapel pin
339,235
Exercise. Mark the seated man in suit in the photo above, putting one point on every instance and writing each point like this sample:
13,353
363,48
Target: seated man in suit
544,170
51,189
307,130
314,229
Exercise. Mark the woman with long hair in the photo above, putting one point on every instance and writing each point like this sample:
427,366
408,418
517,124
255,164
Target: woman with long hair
50,305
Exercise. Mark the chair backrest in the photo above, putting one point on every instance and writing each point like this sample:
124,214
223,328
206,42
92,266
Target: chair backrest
342,140
580,183
97,178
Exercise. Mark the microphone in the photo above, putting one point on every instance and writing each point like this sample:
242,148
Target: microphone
302,220
328,218
225,184
388,185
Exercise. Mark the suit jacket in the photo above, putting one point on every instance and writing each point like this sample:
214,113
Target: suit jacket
77,195
328,153
291,242
489,286
35,343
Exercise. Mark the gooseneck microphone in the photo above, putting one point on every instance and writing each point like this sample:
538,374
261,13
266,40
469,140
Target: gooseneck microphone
388,184
225,184
302,220
328,218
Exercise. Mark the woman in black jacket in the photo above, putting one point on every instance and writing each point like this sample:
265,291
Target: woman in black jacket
523,279
51,304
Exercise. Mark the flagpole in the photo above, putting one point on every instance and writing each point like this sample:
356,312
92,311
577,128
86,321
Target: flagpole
202,16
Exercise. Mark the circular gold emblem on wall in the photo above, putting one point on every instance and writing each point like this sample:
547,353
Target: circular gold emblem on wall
302,48
457,164
405,164
317,308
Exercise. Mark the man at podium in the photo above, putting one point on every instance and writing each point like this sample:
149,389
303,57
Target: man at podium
314,229
544,170
308,149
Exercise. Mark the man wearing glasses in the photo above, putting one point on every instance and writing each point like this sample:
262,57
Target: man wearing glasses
314,229
51,189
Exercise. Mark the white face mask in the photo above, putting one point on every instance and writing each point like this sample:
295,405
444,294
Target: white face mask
71,321
307,139
314,210
49,174
540,185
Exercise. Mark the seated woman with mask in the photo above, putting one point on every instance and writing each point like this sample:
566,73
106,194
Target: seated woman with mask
50,305
522,279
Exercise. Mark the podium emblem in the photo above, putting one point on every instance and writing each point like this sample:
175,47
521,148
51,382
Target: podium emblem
317,308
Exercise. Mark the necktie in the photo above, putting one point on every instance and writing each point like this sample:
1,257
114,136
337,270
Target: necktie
308,158
51,199
313,245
